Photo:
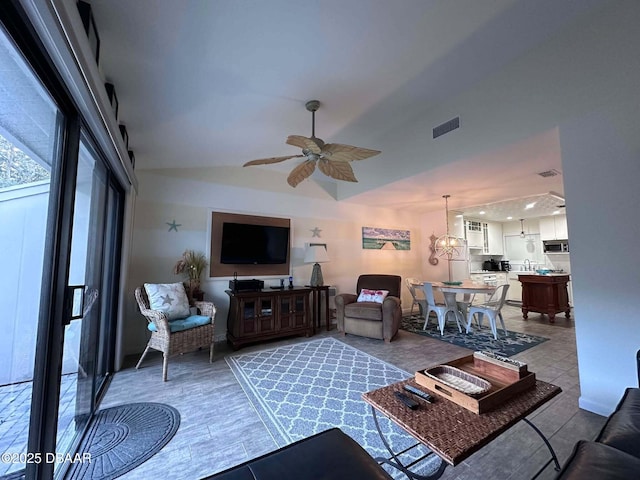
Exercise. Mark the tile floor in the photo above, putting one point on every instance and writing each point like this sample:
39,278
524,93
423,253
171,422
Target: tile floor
15,406
219,427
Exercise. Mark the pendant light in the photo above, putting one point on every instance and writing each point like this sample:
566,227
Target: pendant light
522,234
448,245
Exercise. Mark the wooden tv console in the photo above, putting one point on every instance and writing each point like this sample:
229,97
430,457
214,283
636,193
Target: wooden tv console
260,315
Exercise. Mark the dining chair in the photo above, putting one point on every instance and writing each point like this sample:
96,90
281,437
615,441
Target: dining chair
417,295
492,309
465,303
441,309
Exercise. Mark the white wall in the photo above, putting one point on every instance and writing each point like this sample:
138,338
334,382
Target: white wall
602,177
190,202
24,220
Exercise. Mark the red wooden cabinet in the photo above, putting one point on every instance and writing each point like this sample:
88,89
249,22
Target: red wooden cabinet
267,314
545,294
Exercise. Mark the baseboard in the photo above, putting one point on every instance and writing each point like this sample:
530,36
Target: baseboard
595,407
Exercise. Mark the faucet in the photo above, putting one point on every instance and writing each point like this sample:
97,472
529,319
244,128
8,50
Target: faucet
527,264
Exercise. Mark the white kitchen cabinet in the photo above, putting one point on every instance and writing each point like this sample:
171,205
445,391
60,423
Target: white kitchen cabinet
495,244
489,278
474,232
515,289
554,228
562,232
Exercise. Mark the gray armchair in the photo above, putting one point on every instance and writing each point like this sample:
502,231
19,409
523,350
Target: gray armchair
370,319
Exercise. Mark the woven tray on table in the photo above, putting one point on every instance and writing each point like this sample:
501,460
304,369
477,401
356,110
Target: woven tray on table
462,381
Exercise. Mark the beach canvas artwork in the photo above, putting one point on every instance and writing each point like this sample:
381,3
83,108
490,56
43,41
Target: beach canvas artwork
385,239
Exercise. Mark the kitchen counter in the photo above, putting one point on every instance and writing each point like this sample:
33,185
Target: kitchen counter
545,293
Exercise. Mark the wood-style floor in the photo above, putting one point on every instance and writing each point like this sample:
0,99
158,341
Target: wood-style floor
219,427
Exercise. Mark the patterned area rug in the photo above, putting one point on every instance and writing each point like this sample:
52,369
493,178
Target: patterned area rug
309,387
123,437
507,346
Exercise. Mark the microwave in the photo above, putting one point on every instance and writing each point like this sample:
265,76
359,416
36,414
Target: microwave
556,246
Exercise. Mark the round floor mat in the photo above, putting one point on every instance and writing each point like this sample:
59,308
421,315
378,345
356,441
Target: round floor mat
123,437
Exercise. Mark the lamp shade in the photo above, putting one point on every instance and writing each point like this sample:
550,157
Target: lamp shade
316,253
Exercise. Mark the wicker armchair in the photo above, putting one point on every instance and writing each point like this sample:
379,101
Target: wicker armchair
173,343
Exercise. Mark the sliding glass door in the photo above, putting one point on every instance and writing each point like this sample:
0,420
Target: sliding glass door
30,131
61,213
92,278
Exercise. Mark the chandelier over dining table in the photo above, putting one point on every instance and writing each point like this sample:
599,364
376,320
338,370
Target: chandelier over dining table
448,245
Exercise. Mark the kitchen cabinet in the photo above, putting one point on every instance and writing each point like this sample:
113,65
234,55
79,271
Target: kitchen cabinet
484,236
474,232
268,314
494,242
488,278
515,289
554,228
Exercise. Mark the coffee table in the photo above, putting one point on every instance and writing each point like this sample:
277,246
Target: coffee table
451,431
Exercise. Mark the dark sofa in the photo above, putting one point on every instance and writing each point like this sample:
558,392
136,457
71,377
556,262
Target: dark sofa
329,455
615,453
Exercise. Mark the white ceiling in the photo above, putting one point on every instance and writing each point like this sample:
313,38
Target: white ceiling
213,84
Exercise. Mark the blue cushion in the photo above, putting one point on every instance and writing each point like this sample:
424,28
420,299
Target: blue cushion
181,324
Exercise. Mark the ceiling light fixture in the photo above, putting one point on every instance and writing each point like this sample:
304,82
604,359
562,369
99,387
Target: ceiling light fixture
447,245
522,234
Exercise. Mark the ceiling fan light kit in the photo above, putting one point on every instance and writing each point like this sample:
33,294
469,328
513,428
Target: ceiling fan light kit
332,159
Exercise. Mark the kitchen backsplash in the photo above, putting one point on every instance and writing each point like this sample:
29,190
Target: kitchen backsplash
552,262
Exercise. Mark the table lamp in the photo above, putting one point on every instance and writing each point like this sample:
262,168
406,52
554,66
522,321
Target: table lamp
316,253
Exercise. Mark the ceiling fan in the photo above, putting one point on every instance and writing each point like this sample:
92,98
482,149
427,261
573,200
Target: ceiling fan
332,158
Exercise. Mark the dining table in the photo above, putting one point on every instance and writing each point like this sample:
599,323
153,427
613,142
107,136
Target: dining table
469,289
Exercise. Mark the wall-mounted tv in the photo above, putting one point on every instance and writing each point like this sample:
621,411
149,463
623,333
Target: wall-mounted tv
248,244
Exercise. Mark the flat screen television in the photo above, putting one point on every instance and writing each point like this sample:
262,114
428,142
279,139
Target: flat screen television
246,244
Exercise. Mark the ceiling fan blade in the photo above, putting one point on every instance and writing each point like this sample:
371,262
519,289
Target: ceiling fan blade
265,161
339,170
347,153
302,171
304,142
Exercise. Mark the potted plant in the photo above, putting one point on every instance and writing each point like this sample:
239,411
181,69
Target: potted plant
191,265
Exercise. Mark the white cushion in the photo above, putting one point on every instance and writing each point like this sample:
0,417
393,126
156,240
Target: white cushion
169,298
376,296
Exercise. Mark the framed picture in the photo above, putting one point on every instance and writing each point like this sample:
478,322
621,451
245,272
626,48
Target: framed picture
125,135
385,239
90,28
113,99
132,158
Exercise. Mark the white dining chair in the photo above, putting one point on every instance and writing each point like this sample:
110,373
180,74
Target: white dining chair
441,309
465,303
415,288
492,309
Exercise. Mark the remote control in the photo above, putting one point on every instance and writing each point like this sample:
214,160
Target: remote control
423,395
412,404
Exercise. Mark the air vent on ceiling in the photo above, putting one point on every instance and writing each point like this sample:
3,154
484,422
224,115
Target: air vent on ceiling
549,173
446,127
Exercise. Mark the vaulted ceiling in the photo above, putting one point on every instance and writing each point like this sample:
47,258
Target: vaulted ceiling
205,86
